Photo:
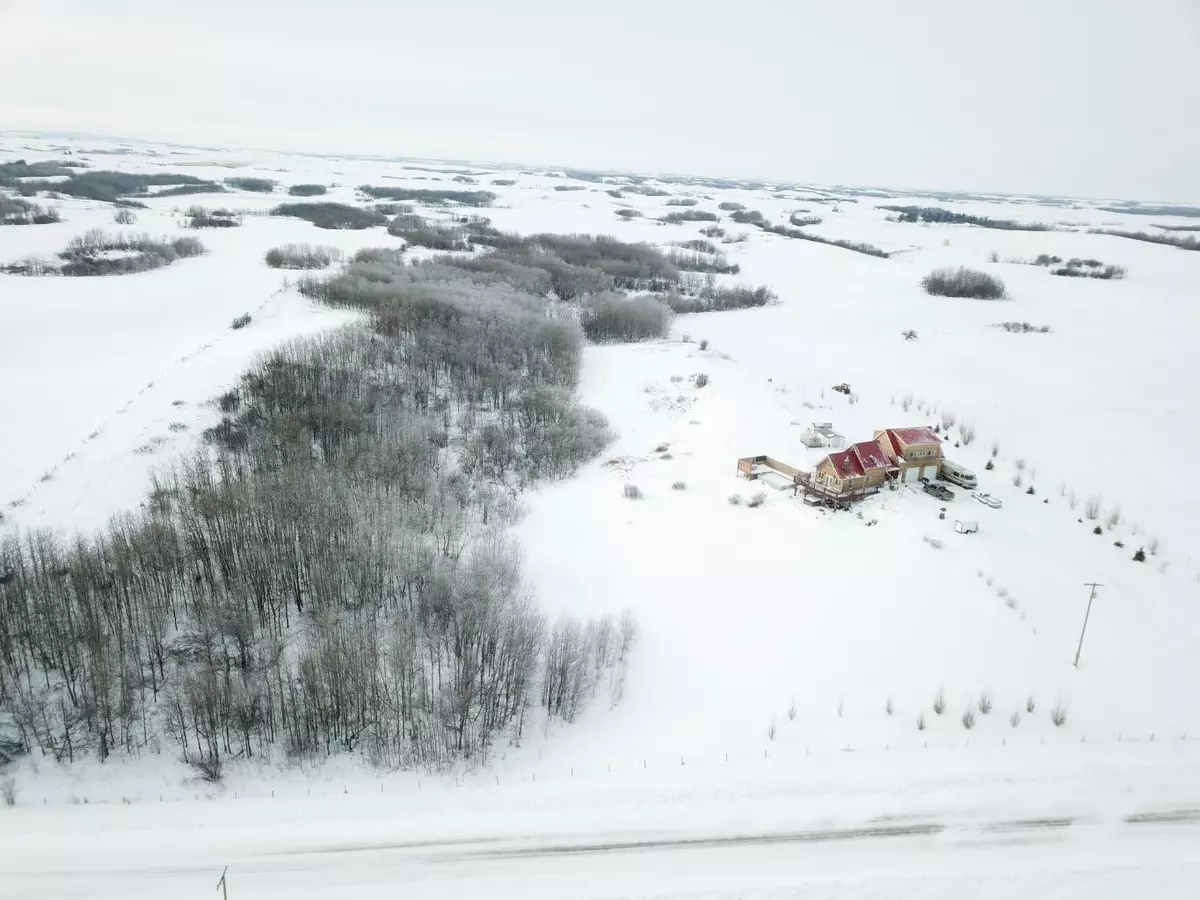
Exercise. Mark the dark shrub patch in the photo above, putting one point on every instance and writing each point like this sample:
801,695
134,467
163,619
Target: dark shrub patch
307,190
689,215
963,282
255,185
332,215
430,197
301,256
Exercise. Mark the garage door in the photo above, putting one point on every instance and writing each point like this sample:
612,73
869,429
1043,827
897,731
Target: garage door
911,474
929,472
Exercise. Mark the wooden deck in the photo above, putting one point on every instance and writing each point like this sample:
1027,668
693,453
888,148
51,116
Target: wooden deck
769,469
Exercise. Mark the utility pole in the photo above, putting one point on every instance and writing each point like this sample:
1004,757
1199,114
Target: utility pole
222,886
1092,596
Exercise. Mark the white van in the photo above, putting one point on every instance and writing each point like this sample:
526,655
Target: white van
960,475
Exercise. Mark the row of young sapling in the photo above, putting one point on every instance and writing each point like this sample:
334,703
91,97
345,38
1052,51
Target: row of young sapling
984,704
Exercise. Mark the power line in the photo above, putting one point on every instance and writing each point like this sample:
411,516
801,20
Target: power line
1092,596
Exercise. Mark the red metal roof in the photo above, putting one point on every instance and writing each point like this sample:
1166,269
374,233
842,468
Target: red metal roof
857,459
845,463
917,434
870,454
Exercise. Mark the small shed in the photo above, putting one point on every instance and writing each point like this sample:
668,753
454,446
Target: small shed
821,434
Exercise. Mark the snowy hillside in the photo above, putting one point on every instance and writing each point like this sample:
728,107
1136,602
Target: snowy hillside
873,665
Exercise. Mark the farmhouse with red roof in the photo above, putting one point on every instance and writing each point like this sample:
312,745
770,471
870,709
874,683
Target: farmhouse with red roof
895,454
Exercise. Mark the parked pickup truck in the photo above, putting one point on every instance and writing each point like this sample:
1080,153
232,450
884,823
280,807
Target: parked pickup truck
940,491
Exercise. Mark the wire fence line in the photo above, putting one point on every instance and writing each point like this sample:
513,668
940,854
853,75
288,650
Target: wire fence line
409,783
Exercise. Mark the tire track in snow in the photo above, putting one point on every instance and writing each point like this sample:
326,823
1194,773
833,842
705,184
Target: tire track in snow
174,366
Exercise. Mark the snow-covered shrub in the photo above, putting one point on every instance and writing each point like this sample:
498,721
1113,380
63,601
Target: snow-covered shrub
209,767
939,702
1091,508
985,703
968,719
307,190
1015,719
611,317
748,217
1140,555
125,217
730,206
256,185
97,253
701,380
301,256
1114,517
200,217
332,215
695,261
632,492
963,282
1058,715
17,211
689,215
430,197
757,500
735,499
696,296
240,322
679,485
8,790
1030,704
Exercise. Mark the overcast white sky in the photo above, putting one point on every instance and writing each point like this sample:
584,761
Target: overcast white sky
1093,97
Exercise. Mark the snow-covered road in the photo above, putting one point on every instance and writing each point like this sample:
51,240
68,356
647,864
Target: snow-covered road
1034,858
1045,822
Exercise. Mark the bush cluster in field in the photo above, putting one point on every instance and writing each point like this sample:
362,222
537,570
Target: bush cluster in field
704,295
200,217
99,253
937,214
100,185
332,215
301,256
1075,267
254,185
802,235
307,190
420,233
678,217
16,211
1023,328
963,282
1183,242
702,261
430,196
331,574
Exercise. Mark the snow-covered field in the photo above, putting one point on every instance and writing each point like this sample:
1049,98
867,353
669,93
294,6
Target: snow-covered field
786,654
